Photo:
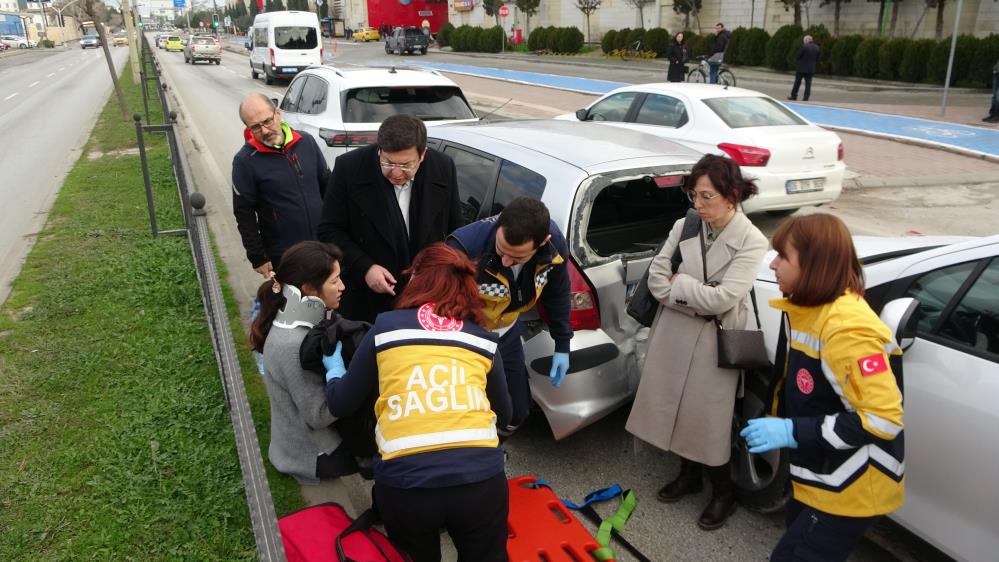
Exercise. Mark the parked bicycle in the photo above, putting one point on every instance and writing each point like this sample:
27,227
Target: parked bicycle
701,73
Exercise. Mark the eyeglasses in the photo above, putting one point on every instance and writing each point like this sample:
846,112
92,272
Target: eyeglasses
408,167
266,123
704,195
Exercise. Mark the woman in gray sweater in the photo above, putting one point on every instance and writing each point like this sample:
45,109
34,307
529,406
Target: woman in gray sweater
307,283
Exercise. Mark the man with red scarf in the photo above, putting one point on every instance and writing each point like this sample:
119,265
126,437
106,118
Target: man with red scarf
278,181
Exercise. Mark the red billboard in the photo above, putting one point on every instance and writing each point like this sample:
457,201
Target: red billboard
397,13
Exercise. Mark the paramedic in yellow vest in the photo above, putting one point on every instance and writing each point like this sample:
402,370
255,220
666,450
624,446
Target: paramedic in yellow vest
837,404
521,257
441,392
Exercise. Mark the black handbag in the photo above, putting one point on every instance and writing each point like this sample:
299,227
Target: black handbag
643,306
739,349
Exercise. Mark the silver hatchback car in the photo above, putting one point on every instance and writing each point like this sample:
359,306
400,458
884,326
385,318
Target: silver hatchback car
615,193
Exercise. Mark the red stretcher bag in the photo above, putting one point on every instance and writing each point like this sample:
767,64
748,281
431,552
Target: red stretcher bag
326,533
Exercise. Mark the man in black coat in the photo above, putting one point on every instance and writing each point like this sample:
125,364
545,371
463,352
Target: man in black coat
384,203
808,57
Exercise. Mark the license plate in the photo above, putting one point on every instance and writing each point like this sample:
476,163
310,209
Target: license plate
289,69
804,186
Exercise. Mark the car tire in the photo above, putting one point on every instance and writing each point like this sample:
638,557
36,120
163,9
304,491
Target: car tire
761,479
387,50
268,79
253,72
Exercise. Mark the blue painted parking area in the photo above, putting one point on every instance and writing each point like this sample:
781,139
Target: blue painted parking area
977,140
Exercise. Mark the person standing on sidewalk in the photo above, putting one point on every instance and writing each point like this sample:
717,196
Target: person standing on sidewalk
386,202
994,110
677,60
278,180
808,57
717,55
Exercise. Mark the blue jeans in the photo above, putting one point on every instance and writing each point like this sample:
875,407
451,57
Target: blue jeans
713,74
994,111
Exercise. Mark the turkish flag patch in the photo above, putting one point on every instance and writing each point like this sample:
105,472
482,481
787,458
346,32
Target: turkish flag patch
872,364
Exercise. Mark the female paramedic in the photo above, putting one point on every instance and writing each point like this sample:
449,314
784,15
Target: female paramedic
303,442
441,393
837,405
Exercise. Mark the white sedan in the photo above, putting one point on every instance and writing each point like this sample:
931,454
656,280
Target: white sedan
950,381
796,163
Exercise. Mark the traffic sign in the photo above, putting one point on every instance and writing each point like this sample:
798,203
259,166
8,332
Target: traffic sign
504,11
179,3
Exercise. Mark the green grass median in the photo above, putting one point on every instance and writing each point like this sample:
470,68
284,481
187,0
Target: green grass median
115,440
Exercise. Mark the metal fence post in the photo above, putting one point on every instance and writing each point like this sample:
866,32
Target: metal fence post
145,172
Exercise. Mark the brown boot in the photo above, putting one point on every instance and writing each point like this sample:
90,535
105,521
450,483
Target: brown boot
688,482
722,502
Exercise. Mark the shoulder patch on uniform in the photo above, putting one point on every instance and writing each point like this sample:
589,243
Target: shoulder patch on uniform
872,364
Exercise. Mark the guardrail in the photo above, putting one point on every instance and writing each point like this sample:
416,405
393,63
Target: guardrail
258,494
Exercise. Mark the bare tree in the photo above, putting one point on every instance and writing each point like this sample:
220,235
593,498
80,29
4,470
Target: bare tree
796,6
587,7
528,8
688,8
640,6
837,6
95,10
492,7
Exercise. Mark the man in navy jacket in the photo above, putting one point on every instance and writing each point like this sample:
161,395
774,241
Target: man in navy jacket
808,57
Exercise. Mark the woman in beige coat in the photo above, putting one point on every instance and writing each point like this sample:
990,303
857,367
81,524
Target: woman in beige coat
685,401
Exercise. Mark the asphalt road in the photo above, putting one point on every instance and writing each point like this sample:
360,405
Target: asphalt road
49,101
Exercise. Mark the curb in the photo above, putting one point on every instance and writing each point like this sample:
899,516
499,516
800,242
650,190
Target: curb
865,183
916,142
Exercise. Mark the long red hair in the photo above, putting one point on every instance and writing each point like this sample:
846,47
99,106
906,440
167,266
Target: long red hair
445,277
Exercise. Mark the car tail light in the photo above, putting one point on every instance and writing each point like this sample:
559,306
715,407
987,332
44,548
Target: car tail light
669,181
746,155
584,314
348,138
839,152
273,66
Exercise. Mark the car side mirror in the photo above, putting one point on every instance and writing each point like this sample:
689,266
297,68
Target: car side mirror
900,317
582,114
276,102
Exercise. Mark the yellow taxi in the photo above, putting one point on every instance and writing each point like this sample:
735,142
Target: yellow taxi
367,34
173,43
119,39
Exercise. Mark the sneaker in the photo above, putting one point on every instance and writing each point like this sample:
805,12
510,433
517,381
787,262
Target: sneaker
991,119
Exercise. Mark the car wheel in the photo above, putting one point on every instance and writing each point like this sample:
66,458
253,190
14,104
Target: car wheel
218,62
761,479
253,73
387,50
268,79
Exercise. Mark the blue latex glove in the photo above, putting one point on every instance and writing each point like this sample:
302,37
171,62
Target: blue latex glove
334,363
767,434
560,366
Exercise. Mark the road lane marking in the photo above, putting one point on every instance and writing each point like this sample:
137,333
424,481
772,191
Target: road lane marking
33,85
10,96
51,75
61,68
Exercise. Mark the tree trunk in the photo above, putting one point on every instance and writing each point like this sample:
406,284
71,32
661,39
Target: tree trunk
587,28
839,5
797,13
114,75
894,19
881,18
940,14
641,17
926,8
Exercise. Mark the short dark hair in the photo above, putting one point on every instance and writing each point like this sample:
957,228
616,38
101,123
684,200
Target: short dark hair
826,256
725,176
401,131
525,219
720,24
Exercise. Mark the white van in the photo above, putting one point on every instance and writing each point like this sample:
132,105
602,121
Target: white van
284,44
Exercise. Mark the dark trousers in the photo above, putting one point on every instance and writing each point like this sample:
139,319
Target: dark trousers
473,514
816,536
994,110
511,349
797,83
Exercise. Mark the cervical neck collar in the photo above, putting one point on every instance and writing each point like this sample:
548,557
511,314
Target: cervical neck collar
299,310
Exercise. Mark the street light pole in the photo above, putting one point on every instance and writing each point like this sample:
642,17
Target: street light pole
950,61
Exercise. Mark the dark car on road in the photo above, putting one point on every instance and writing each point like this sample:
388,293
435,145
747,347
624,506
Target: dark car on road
406,40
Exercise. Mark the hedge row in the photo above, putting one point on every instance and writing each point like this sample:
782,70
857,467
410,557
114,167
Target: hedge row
656,39
474,39
555,39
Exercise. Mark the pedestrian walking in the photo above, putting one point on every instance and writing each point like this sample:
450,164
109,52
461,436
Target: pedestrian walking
685,400
279,177
441,393
385,203
521,256
837,407
808,57
717,54
677,70
303,442
993,116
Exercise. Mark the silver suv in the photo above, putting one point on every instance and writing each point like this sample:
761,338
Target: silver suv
615,193
343,108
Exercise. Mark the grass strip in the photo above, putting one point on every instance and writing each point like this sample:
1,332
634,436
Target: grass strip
115,441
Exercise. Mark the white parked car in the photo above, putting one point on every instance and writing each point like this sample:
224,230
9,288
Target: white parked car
796,163
614,198
950,382
342,108
15,42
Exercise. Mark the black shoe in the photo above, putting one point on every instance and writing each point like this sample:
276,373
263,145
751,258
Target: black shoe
991,119
792,98
804,99
717,512
365,467
688,482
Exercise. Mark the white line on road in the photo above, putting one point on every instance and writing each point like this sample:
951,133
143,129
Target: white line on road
33,84
61,68
10,96
51,75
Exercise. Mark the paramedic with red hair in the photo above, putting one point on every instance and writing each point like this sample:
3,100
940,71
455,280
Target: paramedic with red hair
441,391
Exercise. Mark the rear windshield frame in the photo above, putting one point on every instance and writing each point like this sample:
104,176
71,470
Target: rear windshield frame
366,105
284,41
